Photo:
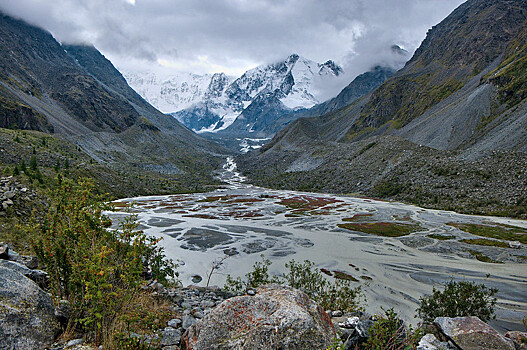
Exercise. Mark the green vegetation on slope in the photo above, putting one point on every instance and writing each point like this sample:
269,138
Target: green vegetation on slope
511,75
38,161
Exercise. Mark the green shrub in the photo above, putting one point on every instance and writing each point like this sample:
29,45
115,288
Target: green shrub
33,164
139,323
259,276
387,189
304,278
338,295
96,269
390,333
458,299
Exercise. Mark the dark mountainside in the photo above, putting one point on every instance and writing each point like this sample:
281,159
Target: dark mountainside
449,130
76,95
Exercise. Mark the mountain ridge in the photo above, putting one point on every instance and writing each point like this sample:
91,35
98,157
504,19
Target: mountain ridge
212,103
74,93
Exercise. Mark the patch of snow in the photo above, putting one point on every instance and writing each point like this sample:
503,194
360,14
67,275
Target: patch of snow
248,144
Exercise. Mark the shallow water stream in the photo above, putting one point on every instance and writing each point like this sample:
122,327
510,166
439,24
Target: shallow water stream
243,221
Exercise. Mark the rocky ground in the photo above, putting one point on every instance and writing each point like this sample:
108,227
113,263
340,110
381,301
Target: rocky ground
17,199
393,168
204,318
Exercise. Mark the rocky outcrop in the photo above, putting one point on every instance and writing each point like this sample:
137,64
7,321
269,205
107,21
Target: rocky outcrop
354,330
470,333
15,199
276,317
27,315
430,342
38,276
518,338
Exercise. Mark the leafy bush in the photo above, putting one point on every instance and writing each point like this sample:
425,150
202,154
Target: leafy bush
338,295
96,269
304,278
458,299
387,189
390,333
259,276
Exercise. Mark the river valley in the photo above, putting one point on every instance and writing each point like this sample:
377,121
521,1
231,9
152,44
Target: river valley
397,252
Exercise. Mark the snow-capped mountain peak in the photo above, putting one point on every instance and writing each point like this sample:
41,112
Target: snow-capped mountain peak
214,102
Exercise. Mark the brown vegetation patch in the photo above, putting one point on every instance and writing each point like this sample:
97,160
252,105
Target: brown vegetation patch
326,271
243,214
202,216
307,202
247,200
341,275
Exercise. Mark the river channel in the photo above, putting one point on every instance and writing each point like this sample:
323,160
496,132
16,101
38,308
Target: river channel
242,222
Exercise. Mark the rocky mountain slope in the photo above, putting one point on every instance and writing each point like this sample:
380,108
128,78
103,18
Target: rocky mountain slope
447,130
76,94
213,102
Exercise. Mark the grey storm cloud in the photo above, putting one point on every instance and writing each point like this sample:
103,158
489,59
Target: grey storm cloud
234,35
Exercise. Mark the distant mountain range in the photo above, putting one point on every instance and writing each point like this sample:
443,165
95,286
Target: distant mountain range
213,102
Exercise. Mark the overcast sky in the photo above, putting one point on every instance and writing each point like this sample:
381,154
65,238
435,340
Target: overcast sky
231,36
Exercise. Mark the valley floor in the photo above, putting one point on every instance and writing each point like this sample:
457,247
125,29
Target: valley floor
397,252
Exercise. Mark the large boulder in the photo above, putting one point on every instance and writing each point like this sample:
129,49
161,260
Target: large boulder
277,317
27,319
470,333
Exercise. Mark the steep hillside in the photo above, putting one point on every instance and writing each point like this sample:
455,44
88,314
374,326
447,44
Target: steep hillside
455,50
75,93
458,107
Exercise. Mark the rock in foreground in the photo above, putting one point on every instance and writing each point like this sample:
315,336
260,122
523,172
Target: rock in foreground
277,317
470,333
27,319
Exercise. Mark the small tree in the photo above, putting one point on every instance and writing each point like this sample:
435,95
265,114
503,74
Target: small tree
33,164
96,269
259,276
338,295
390,333
458,299
23,165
